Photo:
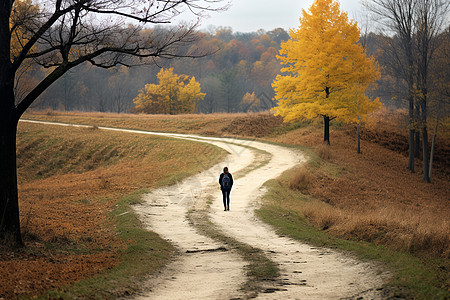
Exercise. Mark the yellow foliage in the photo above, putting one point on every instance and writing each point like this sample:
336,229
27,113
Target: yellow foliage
22,13
175,94
326,70
250,101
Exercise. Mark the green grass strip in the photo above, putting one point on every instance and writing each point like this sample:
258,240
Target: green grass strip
412,277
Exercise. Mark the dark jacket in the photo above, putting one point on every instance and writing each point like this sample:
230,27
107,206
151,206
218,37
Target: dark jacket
231,180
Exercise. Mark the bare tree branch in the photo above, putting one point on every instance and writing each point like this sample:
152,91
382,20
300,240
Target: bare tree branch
62,34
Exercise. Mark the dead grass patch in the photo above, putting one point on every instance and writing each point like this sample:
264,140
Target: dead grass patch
321,214
374,198
301,179
218,124
324,151
70,179
253,125
371,196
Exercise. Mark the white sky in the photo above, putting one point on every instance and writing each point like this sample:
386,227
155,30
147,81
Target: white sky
251,15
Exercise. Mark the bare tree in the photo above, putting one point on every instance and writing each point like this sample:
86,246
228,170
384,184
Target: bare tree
397,16
415,26
430,18
62,34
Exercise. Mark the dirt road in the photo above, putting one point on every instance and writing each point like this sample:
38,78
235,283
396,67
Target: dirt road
208,269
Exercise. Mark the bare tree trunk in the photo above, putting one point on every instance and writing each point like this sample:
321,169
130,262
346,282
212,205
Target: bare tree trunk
358,139
430,170
425,140
417,142
411,135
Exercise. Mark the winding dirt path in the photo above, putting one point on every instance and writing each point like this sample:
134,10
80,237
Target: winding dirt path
205,271
208,269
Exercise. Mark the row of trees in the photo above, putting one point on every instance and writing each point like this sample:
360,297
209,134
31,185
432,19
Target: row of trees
49,53
241,63
414,41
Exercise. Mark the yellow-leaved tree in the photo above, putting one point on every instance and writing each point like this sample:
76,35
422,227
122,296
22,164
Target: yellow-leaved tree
250,102
326,71
175,94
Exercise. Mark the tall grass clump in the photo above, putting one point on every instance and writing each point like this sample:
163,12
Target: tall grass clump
324,151
300,179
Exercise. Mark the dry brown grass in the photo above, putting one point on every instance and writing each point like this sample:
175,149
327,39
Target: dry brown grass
211,124
69,181
321,214
301,179
372,197
218,124
324,151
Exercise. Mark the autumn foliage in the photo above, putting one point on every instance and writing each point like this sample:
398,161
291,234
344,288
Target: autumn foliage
175,94
326,70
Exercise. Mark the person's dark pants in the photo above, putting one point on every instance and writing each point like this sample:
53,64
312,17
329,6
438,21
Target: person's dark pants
226,199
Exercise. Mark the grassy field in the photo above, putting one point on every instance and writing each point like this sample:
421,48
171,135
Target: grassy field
74,187
307,219
368,203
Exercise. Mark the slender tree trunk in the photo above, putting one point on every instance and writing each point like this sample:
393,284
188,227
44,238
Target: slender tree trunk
326,133
411,134
430,171
417,130
326,122
426,167
358,138
425,139
417,143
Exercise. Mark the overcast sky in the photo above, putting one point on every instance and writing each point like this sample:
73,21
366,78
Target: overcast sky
251,15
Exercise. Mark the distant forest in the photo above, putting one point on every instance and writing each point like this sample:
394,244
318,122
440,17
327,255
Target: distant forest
238,64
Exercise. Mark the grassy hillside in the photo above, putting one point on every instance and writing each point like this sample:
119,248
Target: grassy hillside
368,198
74,187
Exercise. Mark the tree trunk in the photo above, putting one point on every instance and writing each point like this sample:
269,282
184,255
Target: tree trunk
326,133
417,129
326,122
358,139
430,170
417,144
411,134
9,203
426,176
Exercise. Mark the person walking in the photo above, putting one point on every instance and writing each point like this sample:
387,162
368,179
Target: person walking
226,183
